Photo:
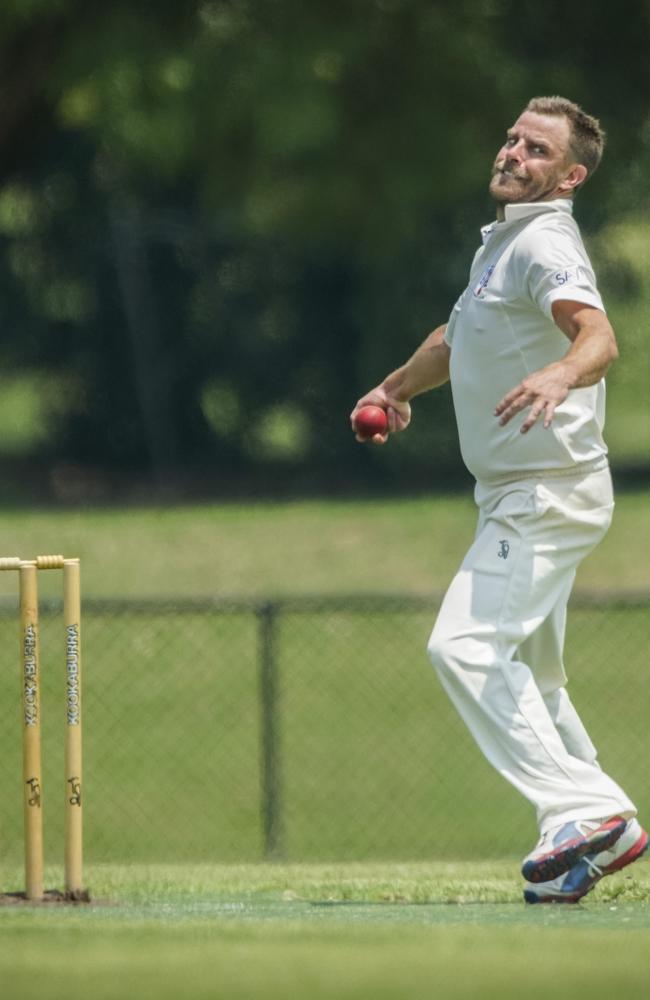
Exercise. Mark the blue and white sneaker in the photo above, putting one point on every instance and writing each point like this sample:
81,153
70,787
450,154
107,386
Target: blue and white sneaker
582,877
562,848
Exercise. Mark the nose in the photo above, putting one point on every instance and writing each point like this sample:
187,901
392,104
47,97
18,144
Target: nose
514,151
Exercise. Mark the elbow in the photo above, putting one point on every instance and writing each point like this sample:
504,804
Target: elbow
608,345
613,350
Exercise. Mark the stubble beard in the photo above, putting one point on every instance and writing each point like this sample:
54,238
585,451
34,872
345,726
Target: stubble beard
509,186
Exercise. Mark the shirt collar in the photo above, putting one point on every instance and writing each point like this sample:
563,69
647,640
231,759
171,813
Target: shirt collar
525,210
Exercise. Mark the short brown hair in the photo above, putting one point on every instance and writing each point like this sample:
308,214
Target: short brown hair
587,137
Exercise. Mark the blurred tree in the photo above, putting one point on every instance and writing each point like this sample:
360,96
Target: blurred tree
221,220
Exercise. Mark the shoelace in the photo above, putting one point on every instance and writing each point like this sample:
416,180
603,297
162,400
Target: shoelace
593,867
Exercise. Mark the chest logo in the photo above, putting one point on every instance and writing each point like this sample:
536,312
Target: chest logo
479,290
504,548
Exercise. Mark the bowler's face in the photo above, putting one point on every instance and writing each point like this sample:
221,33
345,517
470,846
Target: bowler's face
534,160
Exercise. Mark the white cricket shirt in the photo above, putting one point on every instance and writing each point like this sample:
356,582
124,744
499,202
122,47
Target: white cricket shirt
501,329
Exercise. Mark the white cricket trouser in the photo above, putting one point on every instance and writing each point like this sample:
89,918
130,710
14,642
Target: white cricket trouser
498,641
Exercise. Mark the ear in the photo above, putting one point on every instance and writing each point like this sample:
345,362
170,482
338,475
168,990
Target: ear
577,175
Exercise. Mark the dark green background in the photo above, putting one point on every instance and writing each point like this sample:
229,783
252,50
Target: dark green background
220,222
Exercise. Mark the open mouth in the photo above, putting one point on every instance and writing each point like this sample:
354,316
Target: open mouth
508,172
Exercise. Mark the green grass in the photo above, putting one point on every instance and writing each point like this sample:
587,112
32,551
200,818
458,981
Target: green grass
373,756
345,931
411,546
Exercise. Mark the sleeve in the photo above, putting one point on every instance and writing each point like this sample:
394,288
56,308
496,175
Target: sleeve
557,267
451,322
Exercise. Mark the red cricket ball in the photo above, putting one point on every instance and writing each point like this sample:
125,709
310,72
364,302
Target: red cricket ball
370,420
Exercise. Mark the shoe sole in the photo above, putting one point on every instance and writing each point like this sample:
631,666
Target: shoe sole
634,853
575,897
549,866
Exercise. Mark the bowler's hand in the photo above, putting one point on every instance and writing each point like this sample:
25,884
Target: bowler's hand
543,391
398,413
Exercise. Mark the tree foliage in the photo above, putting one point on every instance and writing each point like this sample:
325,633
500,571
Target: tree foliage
220,221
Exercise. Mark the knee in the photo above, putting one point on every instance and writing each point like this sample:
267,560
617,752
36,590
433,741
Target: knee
454,654
443,652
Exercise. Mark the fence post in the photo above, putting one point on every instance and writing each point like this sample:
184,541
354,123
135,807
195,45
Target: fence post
270,737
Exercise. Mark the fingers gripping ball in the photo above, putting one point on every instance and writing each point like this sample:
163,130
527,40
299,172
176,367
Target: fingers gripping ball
370,420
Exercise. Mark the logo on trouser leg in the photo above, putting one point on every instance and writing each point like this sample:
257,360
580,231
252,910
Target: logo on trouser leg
504,548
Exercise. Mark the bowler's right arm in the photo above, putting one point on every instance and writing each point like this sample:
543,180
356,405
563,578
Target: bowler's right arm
426,369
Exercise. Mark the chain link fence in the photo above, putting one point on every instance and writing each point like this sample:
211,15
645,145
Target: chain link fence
297,729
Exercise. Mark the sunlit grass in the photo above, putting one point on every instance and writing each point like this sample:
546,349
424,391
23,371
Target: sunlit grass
402,932
398,546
